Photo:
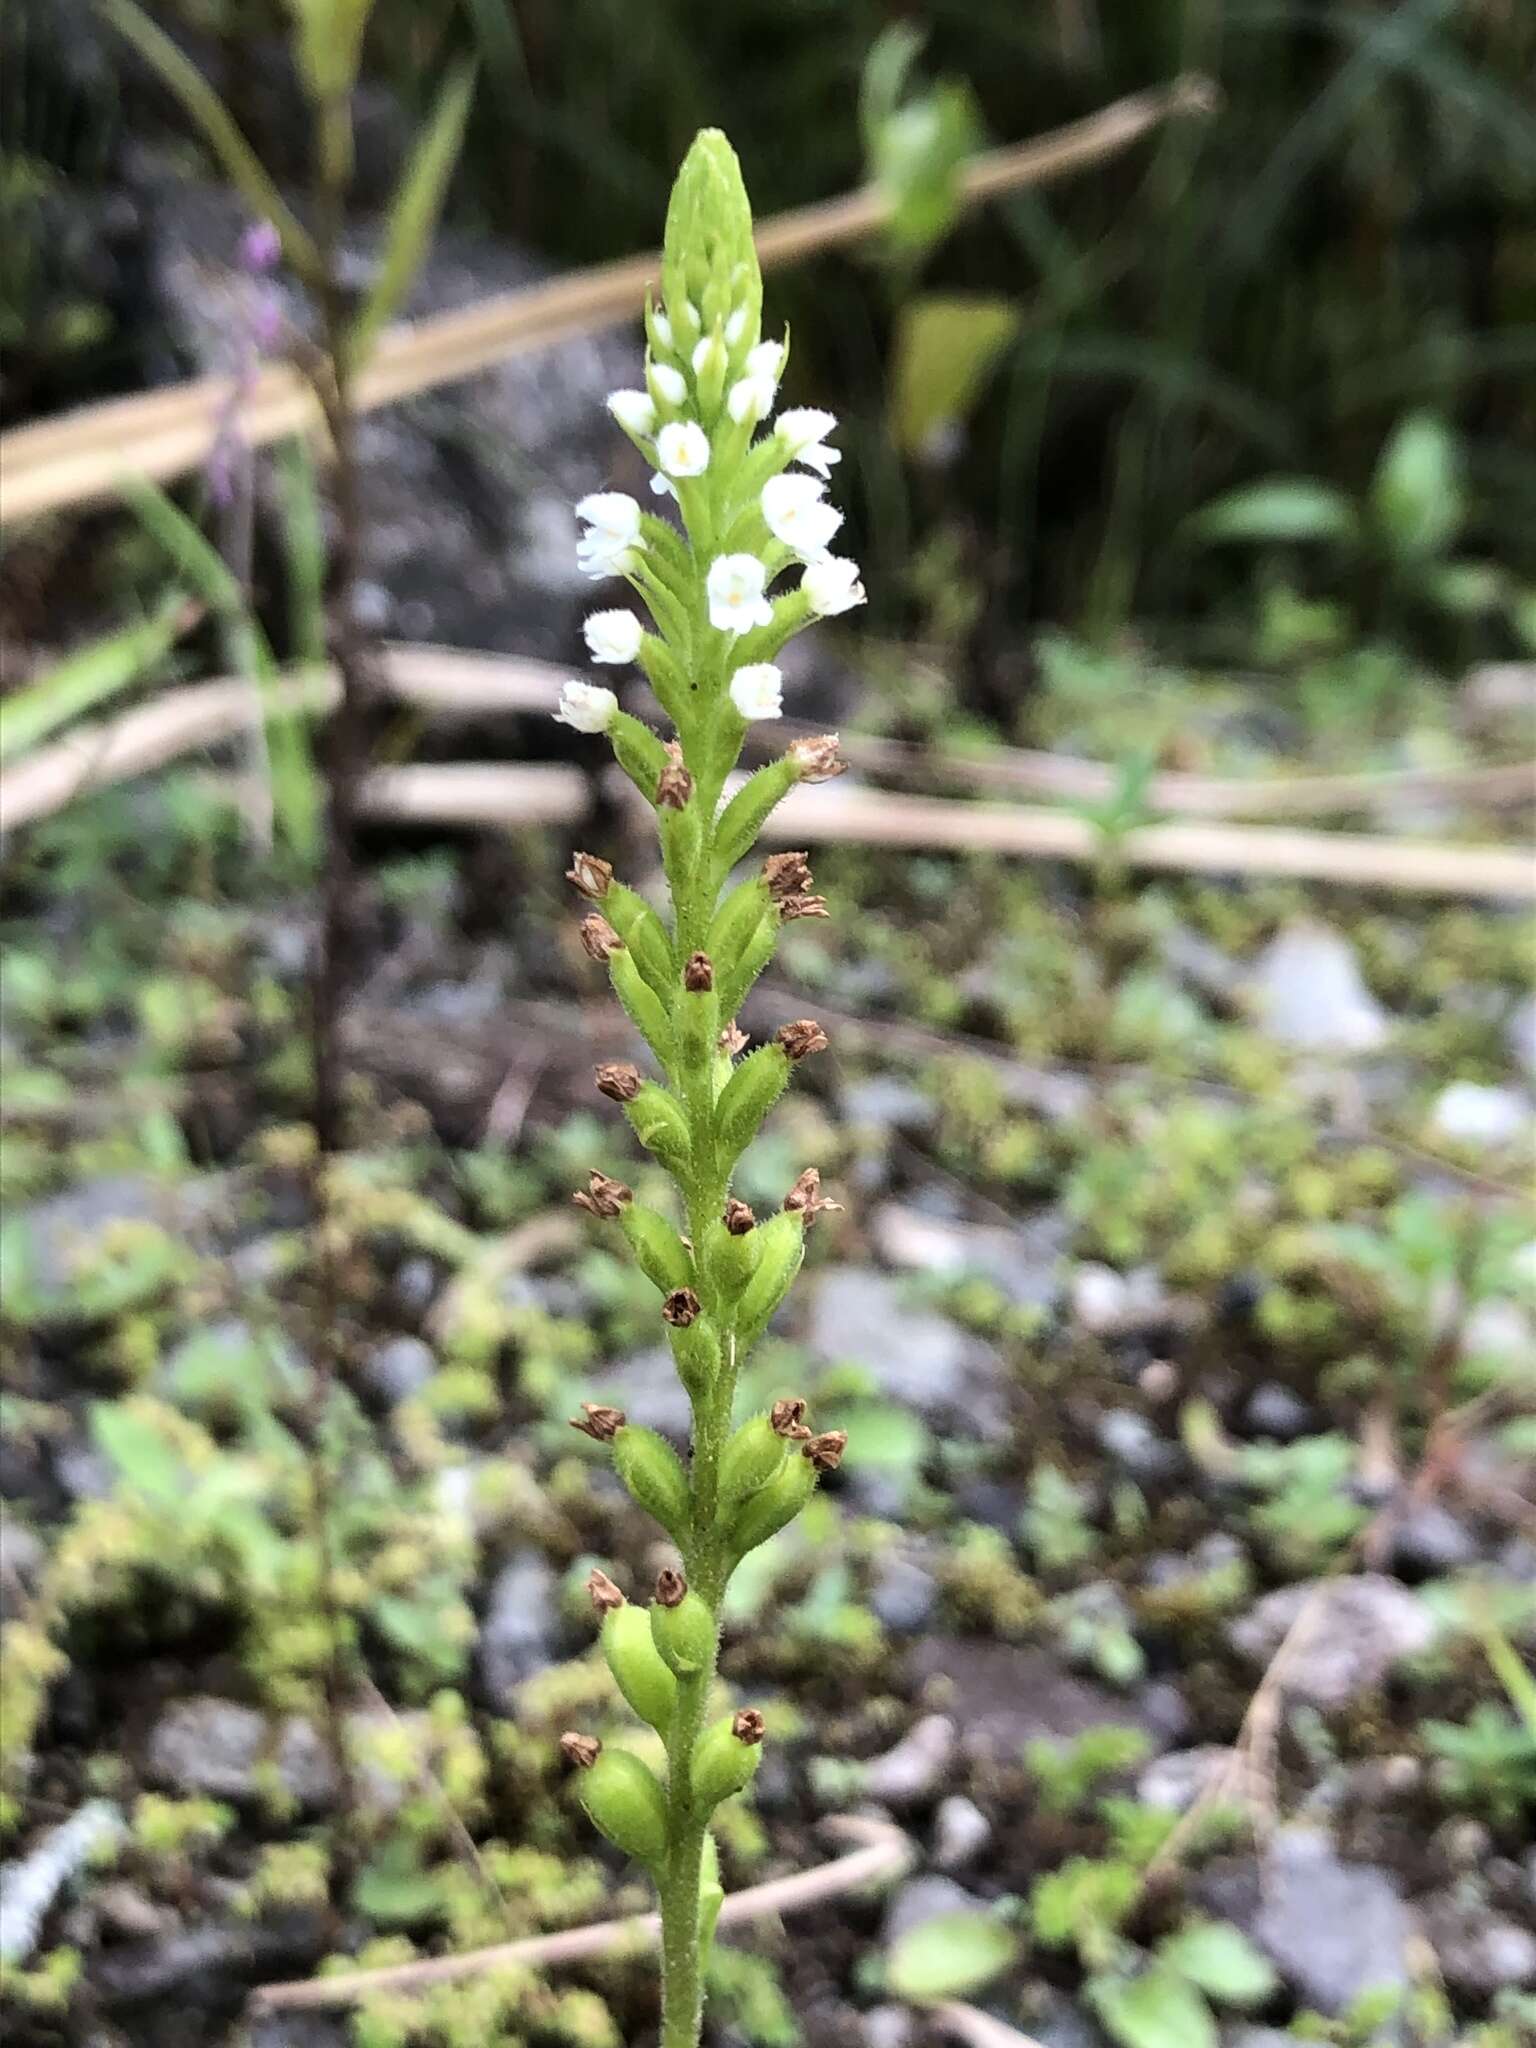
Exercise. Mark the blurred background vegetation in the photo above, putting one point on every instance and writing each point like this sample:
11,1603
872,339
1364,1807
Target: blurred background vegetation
1348,245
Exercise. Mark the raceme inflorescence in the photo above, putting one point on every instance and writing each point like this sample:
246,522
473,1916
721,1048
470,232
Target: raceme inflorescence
749,497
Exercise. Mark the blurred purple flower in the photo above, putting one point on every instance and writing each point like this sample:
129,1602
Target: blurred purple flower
261,248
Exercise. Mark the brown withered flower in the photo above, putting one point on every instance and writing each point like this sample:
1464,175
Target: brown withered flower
590,875
598,938
599,1423
681,1307
603,1197
802,1038
788,1419
749,1727
618,1080
671,1587
732,1040
826,1451
816,760
791,907
738,1218
806,1200
699,974
675,785
581,1750
787,874
604,1594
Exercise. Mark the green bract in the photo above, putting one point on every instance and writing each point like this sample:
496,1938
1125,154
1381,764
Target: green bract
735,561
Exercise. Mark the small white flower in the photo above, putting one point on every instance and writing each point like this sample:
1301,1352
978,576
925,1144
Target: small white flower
669,383
612,539
751,399
804,431
766,360
735,586
757,690
832,586
661,327
796,514
613,636
701,349
661,486
682,448
588,707
634,410
736,327
802,425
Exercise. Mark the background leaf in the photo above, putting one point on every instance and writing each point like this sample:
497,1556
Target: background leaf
945,350
1416,492
1222,1961
417,204
949,1957
1158,2009
1280,509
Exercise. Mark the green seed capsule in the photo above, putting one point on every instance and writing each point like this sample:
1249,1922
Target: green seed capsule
781,1247
774,1506
747,812
735,922
641,1004
637,1667
654,1476
641,930
751,1458
658,1249
730,1260
697,1011
625,1802
696,1353
682,1627
658,1122
751,1092
726,1759
753,958
711,1894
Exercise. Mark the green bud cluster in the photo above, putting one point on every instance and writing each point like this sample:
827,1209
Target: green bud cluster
744,518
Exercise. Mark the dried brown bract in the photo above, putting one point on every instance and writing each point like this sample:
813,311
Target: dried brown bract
699,974
681,1307
602,1196
618,1080
590,875
802,1038
599,1423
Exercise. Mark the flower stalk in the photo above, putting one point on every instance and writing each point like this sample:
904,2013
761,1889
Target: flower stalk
734,562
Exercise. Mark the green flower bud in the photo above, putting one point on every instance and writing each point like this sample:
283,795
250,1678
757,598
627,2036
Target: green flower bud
641,1004
653,1474
658,1249
637,1666
730,1253
726,1759
697,1010
781,1247
642,931
660,1125
773,1507
751,1458
756,1085
709,263
682,1627
623,1798
711,366
695,1343
747,812
711,1894
638,752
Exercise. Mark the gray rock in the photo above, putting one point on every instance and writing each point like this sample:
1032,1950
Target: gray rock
1110,1304
1480,1117
1498,694
29,1887
647,1388
1270,2037
1333,1929
1357,1629
1499,1329
217,1749
1310,994
904,1594
1273,1410
1026,1263
914,1770
889,2026
886,1102
922,1899
519,1634
916,1357
1130,1440
1002,1698
1480,1952
1174,1782
1430,1538
399,1370
960,1831
299,2030
23,1555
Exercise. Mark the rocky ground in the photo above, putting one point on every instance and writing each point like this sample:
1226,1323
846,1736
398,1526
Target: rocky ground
1176,1599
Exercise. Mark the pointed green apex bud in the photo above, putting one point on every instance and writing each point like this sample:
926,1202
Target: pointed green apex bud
709,264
